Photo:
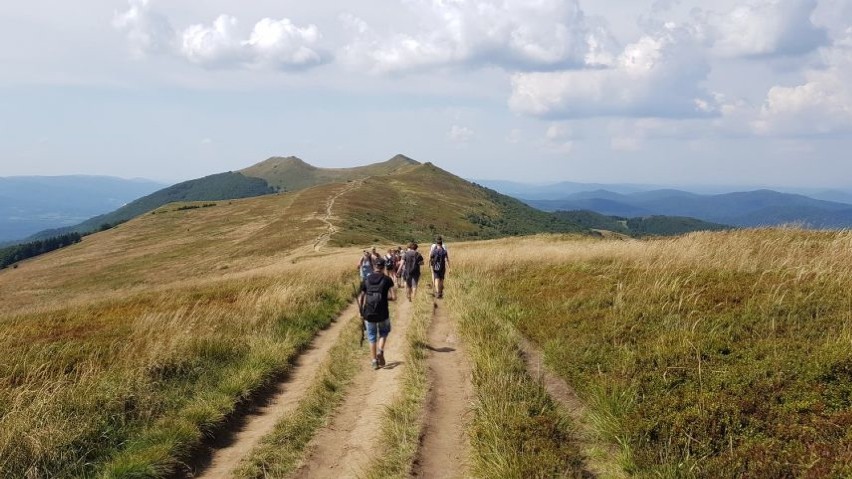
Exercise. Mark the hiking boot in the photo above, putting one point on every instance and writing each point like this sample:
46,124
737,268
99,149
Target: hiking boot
380,358
375,364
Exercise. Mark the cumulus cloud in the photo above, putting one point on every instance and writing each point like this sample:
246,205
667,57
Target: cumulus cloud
513,34
460,134
657,76
820,105
275,44
762,28
147,31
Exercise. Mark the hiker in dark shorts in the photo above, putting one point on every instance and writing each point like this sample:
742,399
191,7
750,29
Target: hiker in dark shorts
376,291
412,261
439,260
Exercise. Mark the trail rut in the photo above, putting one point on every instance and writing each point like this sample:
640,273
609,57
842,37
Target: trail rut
344,448
602,460
445,449
287,395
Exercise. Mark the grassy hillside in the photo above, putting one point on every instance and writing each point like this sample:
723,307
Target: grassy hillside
420,202
132,345
221,186
291,173
709,355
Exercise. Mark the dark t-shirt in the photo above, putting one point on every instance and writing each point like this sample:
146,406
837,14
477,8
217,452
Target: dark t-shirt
413,260
382,312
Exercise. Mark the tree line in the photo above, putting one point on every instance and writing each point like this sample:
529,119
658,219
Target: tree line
12,254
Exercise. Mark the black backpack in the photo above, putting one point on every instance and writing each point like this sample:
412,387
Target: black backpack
374,284
438,256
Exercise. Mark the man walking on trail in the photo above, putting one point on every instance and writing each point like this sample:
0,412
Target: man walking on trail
439,259
376,290
412,263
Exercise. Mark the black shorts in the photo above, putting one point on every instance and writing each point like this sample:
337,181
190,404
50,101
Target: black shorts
411,279
439,274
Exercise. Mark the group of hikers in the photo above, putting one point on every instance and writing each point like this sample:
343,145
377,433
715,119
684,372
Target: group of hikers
378,287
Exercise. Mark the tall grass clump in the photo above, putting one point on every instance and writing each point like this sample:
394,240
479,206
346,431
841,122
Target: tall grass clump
516,429
127,386
709,355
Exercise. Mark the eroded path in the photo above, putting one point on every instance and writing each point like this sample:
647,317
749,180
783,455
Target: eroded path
286,397
445,449
345,447
323,239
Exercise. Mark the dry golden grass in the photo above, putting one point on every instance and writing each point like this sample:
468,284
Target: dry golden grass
124,350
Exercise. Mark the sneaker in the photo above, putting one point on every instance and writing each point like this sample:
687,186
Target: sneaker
380,358
375,364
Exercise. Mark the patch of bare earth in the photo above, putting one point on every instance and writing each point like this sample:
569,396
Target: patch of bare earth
602,459
285,399
445,448
344,447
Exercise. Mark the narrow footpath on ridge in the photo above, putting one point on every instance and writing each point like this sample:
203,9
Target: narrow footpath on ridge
284,400
445,448
345,447
324,238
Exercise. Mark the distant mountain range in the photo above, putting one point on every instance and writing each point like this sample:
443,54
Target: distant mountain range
747,209
29,204
504,216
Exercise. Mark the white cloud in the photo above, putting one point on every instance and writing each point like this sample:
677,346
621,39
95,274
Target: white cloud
513,34
660,75
762,28
215,45
275,44
821,105
282,44
558,138
460,134
146,30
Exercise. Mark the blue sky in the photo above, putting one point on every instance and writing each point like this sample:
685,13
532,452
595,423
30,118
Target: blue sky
742,92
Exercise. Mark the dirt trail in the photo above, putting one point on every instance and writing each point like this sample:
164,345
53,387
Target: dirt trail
323,239
602,459
444,451
285,399
344,448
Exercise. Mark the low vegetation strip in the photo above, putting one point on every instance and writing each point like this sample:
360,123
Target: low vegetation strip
403,420
279,453
709,355
516,428
127,387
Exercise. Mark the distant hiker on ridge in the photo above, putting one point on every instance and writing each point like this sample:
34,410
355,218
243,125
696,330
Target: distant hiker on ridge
376,290
439,259
412,261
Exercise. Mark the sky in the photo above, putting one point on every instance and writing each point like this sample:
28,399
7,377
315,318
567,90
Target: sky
664,92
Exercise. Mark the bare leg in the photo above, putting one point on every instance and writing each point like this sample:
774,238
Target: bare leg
373,348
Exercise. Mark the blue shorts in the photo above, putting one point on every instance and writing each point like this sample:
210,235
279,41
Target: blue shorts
376,330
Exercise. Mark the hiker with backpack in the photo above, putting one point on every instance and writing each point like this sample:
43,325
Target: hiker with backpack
365,265
439,260
412,262
376,290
